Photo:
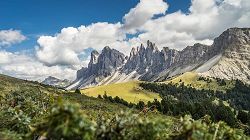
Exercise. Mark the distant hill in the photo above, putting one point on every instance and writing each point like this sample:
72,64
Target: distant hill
53,81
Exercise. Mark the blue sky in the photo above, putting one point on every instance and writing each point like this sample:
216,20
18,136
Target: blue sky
40,38
47,17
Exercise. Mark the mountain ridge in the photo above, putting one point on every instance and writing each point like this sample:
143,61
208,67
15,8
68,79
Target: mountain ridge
56,82
226,58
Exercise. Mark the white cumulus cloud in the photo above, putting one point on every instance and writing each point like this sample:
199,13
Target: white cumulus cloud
65,47
144,11
9,37
4,57
26,67
205,20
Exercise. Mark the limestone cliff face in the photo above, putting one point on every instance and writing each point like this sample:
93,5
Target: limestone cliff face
108,61
84,72
100,66
145,61
234,45
193,54
170,57
228,57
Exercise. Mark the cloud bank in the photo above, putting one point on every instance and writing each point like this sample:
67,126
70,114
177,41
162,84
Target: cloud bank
64,48
26,67
205,20
143,12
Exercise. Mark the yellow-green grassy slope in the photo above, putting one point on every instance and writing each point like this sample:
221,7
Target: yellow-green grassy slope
129,91
92,107
192,79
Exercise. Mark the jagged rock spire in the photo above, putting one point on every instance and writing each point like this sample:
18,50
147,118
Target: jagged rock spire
94,57
228,57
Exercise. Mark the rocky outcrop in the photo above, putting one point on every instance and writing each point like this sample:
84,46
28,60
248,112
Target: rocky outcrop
144,61
84,72
56,82
170,57
108,61
228,57
100,66
178,62
234,45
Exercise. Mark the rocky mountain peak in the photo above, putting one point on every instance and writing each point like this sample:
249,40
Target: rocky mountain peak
108,61
93,57
106,48
133,52
143,60
228,57
140,48
53,81
51,78
165,49
170,56
234,47
231,38
105,64
151,46
94,52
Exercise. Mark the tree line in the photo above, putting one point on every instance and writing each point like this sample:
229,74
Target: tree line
179,100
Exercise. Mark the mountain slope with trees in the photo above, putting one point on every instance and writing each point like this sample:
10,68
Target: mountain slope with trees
36,111
229,106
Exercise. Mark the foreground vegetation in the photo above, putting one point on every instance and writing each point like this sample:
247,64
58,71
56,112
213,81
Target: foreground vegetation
65,120
34,111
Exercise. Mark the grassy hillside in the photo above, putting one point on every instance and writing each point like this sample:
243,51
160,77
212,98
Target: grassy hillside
29,110
129,91
9,84
193,79
90,105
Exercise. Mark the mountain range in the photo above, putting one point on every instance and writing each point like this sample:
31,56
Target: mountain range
53,81
227,58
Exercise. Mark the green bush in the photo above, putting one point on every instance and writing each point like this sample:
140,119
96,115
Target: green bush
65,121
32,113
10,135
19,109
15,120
127,126
204,129
78,91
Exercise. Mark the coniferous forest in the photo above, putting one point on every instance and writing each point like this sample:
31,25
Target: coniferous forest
231,106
